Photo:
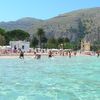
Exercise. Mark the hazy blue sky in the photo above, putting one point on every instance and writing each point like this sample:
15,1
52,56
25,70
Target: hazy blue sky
42,9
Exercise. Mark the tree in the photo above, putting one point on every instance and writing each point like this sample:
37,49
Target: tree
2,40
52,43
63,41
40,34
34,42
44,41
60,40
2,32
66,40
96,46
7,38
17,35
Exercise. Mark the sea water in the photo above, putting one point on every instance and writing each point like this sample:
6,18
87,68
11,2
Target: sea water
58,78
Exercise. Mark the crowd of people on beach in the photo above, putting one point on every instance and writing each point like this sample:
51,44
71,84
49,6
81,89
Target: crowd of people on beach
50,53
37,53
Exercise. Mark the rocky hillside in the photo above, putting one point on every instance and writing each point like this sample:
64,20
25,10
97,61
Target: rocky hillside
64,25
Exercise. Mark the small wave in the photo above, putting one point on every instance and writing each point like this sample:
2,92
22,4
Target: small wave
22,98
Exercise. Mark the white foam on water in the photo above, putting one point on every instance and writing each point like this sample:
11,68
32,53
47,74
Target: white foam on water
22,98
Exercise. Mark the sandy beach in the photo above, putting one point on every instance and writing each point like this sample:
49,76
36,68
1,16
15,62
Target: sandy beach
31,55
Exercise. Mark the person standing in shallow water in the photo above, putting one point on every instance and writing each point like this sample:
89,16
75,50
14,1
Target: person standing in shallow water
37,56
69,54
50,54
98,54
21,56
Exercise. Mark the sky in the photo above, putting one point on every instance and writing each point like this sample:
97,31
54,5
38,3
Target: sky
11,10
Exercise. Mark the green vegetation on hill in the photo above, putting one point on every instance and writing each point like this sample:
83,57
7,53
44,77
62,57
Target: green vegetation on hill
14,35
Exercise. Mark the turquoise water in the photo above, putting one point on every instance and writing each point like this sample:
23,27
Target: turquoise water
59,78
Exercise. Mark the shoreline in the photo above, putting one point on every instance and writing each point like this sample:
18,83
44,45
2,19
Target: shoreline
32,56
54,53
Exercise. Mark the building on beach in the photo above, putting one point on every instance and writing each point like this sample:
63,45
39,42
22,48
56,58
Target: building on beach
20,45
85,45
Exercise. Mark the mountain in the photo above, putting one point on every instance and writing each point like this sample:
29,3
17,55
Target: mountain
27,24
60,25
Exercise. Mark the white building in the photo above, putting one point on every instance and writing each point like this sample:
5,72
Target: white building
22,45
